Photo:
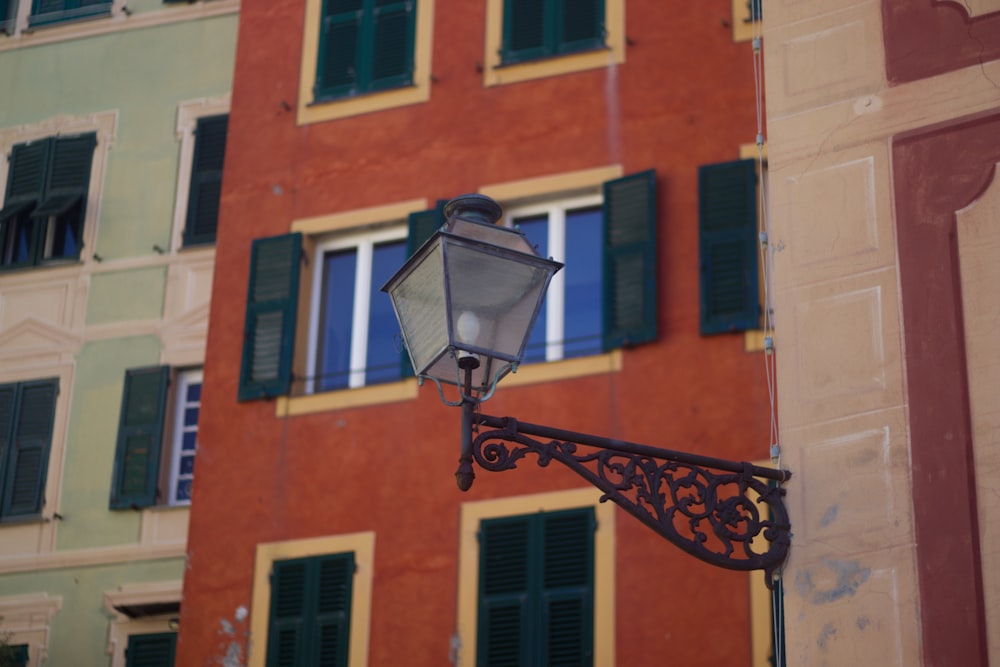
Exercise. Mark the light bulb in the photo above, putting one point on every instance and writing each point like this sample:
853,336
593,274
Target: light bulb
468,327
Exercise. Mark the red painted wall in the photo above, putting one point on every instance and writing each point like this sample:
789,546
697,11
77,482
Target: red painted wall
683,97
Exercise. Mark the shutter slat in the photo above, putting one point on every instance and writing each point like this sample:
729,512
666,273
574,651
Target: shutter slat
272,303
156,650
582,25
27,172
392,48
71,164
630,290
727,207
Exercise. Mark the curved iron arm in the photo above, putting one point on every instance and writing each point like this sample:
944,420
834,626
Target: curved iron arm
726,513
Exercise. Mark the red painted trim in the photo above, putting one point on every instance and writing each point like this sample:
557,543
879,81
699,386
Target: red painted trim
937,172
928,37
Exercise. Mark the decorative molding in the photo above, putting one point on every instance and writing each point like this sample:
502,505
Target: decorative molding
53,560
121,626
26,618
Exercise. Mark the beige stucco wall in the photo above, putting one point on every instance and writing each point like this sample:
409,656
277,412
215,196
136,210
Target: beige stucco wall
851,594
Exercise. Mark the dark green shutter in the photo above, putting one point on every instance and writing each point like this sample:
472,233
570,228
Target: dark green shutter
524,30
422,226
629,308
44,12
272,303
155,650
392,43
727,244
69,176
15,655
337,64
206,180
27,412
140,434
581,25
26,180
534,29
310,614
536,590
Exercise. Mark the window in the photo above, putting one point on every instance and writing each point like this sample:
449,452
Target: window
153,650
42,217
728,243
45,12
605,295
310,617
14,655
353,329
534,29
364,46
27,413
536,589
146,470
206,180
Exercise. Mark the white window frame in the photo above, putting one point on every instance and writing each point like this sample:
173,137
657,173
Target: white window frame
184,380
555,303
364,243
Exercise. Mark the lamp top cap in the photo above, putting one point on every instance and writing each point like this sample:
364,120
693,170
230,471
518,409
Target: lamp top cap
474,207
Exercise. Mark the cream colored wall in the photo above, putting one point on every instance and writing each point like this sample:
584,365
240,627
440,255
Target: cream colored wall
978,250
851,590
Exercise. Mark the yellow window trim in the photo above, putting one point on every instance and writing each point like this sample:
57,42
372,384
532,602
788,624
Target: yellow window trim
742,27
568,183
473,513
420,91
760,606
363,546
375,394
753,340
494,74
338,222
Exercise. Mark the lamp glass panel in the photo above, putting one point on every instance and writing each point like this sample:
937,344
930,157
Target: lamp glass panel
494,298
419,300
497,235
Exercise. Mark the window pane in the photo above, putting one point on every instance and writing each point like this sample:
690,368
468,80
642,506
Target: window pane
66,234
384,357
189,440
19,249
191,416
583,283
334,353
536,228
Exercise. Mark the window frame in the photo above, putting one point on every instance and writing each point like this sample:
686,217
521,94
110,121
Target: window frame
497,72
556,210
312,110
364,242
363,547
474,512
184,379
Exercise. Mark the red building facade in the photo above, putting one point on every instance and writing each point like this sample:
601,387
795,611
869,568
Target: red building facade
323,463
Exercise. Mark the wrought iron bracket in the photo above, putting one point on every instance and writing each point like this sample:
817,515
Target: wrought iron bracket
729,514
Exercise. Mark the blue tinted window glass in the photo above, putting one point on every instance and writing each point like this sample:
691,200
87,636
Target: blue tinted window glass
383,363
189,440
582,325
194,392
536,228
191,416
187,465
183,489
334,354
65,242
21,245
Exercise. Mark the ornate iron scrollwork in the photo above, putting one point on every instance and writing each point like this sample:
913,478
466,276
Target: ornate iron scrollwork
725,513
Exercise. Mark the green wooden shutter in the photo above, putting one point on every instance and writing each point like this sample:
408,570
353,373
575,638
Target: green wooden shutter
581,25
44,12
507,571
334,591
8,407
15,655
27,454
536,590
156,650
140,435
394,27
206,180
524,30
7,16
272,303
338,61
629,299
68,178
310,614
422,226
567,636
26,180
727,240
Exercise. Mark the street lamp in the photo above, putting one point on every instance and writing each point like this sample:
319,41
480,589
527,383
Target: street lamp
466,302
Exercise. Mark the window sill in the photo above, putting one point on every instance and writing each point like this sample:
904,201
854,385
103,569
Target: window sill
332,108
347,398
567,369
